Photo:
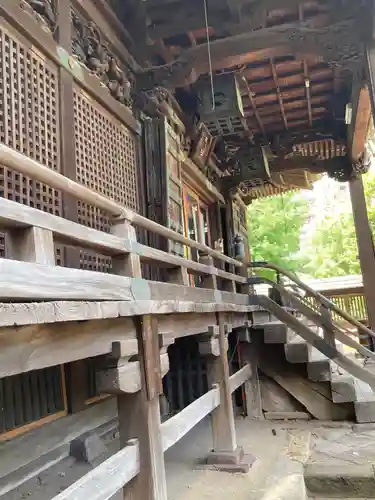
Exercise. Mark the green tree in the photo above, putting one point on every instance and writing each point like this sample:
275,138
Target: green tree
275,225
332,248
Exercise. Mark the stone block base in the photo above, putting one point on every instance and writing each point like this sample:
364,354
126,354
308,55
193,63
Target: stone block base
236,461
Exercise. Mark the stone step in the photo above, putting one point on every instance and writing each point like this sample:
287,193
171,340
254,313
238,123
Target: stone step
340,480
364,406
276,332
319,366
297,350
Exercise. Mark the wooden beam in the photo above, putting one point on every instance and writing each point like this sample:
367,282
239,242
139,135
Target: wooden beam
193,62
366,252
31,313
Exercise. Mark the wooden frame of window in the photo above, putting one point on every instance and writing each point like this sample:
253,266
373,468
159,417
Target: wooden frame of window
5,436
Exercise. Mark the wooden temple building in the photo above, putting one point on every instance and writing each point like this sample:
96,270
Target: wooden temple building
132,136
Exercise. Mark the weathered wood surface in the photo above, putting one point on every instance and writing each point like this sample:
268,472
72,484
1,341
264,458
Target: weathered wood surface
35,346
32,244
59,311
31,168
105,480
176,427
223,427
320,344
25,281
315,397
14,215
240,377
109,477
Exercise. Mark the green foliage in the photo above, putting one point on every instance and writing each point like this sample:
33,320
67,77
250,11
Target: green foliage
332,249
274,229
329,249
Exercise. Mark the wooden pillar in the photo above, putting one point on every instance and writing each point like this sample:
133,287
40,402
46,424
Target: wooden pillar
251,388
366,251
139,413
226,454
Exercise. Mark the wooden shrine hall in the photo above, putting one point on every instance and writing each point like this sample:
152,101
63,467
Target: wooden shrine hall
133,134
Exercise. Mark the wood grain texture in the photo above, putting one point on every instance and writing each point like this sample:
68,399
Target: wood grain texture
240,377
32,244
24,281
33,347
107,478
59,311
178,426
23,164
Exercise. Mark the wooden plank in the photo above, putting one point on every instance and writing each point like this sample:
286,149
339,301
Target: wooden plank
15,215
17,314
240,377
106,479
24,281
38,346
109,477
313,396
178,426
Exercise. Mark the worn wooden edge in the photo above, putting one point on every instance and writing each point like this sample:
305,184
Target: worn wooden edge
14,215
106,479
240,377
110,476
40,345
17,314
176,427
28,281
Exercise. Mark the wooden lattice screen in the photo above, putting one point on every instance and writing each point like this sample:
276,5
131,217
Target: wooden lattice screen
74,128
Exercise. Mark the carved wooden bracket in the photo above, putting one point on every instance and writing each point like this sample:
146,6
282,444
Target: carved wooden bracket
209,342
120,373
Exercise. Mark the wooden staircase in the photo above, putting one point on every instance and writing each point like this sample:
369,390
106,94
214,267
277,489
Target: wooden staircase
310,358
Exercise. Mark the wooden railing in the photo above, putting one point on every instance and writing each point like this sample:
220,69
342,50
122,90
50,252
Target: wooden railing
76,314
110,476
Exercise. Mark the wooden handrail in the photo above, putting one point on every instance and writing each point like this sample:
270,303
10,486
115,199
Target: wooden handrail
16,161
340,333
318,296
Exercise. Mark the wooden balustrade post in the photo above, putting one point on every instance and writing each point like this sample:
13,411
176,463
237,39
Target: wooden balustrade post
328,333
226,454
139,413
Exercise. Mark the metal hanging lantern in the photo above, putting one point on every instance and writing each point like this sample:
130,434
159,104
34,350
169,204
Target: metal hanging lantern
220,107
239,247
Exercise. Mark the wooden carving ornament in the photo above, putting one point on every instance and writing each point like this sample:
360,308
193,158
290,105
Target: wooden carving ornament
89,47
44,11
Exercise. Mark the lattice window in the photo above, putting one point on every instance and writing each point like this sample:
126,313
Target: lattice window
29,121
106,159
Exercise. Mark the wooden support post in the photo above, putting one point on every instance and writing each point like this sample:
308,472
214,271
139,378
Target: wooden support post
208,281
365,245
139,413
251,388
33,244
226,455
